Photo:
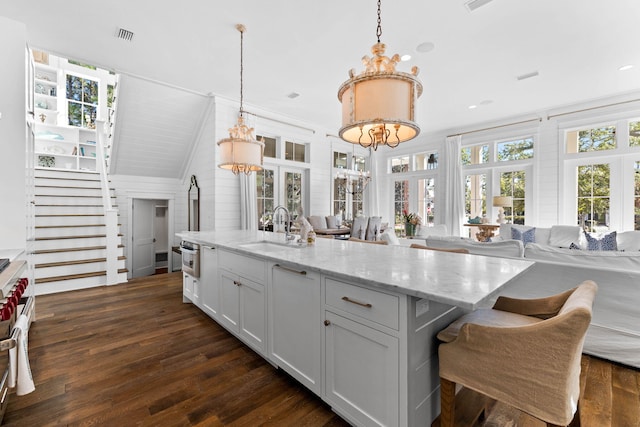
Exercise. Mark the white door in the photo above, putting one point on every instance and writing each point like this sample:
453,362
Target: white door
143,238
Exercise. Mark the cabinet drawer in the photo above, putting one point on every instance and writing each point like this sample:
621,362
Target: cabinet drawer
372,305
243,265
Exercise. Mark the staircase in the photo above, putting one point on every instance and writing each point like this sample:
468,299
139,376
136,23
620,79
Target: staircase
70,247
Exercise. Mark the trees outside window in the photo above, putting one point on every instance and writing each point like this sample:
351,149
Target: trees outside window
475,195
513,184
594,196
401,204
82,101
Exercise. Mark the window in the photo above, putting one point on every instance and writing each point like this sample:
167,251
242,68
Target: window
269,146
519,149
359,163
634,134
340,197
476,195
82,101
426,201
426,161
339,160
357,204
400,164
295,152
636,198
264,187
475,155
594,139
401,204
293,193
593,196
513,184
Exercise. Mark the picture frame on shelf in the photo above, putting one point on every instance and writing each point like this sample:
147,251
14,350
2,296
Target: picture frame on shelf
47,161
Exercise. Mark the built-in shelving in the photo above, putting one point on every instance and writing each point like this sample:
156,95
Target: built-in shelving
65,147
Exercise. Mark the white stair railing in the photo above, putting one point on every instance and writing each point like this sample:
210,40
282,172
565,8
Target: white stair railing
110,214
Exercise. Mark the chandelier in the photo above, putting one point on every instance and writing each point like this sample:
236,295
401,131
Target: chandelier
241,152
378,105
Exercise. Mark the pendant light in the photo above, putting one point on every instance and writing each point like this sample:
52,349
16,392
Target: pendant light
241,152
378,105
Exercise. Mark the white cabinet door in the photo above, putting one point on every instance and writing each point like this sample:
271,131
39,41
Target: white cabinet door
295,324
209,289
229,301
362,372
243,309
187,287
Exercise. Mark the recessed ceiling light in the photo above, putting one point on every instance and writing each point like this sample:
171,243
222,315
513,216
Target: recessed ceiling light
425,47
625,67
471,107
405,57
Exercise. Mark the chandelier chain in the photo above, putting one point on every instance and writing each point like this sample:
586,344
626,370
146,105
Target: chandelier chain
241,71
379,29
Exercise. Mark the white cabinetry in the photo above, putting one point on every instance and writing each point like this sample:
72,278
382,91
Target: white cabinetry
362,369
210,291
190,288
242,298
65,147
295,324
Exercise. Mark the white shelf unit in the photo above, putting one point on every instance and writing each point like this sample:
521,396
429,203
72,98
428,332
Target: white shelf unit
65,147
46,88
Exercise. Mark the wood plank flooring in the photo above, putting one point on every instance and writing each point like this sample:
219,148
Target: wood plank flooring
135,355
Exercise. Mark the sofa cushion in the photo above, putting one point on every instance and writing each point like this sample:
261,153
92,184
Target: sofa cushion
332,221
562,236
629,241
608,260
359,227
317,222
373,228
502,248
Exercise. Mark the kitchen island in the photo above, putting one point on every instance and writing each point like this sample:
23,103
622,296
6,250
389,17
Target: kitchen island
353,322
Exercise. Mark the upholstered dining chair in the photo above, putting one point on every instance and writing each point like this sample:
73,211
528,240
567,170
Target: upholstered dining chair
429,248
525,353
374,242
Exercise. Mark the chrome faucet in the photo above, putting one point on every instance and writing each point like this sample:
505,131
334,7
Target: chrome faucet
287,225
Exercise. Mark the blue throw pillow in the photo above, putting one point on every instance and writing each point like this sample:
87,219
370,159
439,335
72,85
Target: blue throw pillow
528,236
607,242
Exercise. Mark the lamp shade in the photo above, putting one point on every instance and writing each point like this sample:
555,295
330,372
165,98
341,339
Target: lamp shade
502,201
239,155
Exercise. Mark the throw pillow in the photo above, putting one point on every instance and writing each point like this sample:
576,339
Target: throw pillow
605,243
574,246
528,236
390,237
628,241
331,221
317,222
562,236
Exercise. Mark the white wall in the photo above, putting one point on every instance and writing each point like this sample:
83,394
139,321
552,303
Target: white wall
13,212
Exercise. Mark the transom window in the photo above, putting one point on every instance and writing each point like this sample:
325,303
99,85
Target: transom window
519,149
295,152
269,146
400,164
634,133
426,161
475,155
592,139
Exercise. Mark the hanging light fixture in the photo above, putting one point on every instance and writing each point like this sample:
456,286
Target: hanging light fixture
378,105
241,152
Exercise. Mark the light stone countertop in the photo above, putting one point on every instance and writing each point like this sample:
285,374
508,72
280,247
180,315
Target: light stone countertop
457,279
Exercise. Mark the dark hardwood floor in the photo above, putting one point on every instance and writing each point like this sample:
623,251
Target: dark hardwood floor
134,354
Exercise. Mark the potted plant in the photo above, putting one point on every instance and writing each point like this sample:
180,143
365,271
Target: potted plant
411,221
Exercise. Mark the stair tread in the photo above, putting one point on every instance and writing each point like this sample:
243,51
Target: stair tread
87,236
66,215
70,226
85,248
75,276
75,262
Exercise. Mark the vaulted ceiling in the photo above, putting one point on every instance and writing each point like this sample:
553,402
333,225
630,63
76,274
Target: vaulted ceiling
576,47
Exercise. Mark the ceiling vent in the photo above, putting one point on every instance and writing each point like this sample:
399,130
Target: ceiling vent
528,75
472,5
293,95
124,34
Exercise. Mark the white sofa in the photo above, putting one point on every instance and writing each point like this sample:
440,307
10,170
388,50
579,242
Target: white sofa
614,333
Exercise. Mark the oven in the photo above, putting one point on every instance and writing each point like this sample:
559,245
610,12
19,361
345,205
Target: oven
190,258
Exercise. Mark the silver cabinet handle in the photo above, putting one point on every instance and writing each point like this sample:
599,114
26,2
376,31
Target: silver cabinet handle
303,273
362,304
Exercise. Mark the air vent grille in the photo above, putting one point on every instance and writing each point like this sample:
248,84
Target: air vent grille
125,34
528,75
472,5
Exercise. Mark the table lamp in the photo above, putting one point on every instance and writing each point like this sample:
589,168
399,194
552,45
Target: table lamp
501,202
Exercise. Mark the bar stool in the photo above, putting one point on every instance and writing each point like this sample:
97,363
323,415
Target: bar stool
525,353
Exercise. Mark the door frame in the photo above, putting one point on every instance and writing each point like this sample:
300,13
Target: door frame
170,198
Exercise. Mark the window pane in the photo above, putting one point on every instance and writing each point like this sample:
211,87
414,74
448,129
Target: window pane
401,204
476,196
293,192
596,139
340,197
89,91
289,150
359,163
264,191
299,154
593,197
513,184
636,204
295,152
269,146
634,134
426,161
426,201
339,160
400,164
475,155
74,113
515,150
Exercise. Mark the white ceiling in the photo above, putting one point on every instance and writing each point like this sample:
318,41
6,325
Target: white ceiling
308,47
